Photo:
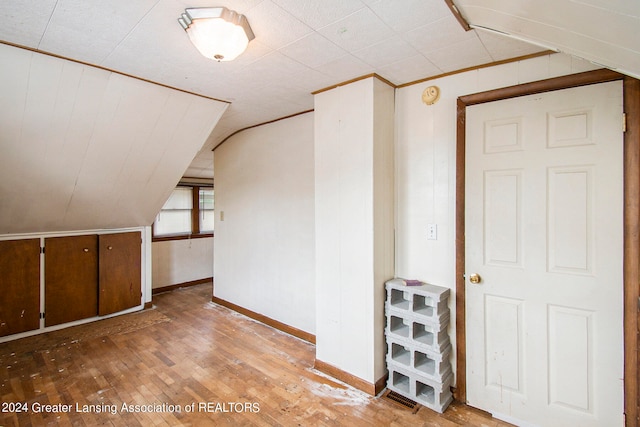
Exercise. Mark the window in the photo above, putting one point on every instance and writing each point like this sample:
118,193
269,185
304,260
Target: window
187,213
175,216
206,210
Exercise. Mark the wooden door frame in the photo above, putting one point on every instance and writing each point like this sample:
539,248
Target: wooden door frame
631,268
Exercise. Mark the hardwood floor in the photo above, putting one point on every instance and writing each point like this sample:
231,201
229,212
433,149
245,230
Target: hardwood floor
188,351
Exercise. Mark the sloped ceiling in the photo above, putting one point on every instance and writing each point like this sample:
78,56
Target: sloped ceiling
602,31
305,45
301,46
84,148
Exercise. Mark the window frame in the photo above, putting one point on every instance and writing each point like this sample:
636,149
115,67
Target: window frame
195,218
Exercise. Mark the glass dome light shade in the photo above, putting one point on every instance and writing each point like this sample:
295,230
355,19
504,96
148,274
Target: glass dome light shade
218,33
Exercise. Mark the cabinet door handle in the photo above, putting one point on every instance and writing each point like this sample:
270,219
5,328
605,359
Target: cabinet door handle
109,247
86,249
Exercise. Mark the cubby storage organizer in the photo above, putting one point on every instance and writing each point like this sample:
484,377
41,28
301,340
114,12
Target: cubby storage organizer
418,346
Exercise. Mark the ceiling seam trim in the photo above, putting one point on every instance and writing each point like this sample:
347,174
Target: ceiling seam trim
366,76
42,52
261,124
478,67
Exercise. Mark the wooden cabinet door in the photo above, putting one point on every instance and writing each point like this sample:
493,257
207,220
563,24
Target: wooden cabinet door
71,278
19,286
119,272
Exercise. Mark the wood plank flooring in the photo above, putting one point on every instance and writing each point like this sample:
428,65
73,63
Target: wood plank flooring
188,351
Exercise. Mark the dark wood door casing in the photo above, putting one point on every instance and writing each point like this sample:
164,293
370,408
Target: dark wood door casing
19,286
71,278
119,272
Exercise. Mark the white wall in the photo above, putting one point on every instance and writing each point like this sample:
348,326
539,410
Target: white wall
426,164
180,261
264,250
264,259
354,224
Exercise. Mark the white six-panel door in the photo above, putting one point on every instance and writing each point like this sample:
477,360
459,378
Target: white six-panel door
544,234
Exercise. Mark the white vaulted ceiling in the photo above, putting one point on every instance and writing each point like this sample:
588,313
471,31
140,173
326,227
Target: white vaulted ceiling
300,46
83,148
602,31
304,45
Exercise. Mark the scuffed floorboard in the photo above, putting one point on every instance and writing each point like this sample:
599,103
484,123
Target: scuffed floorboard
193,363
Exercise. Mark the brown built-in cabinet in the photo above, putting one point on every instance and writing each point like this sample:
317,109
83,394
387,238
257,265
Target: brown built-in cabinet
84,276
119,272
19,286
71,279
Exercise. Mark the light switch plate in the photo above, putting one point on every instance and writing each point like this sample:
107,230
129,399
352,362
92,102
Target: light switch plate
432,231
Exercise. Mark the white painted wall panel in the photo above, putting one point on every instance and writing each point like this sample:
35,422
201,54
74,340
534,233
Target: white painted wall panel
354,217
264,247
425,164
383,214
181,261
344,227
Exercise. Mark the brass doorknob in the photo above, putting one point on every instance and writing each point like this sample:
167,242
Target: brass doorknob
475,278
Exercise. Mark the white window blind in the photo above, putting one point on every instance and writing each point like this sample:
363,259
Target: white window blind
206,210
175,216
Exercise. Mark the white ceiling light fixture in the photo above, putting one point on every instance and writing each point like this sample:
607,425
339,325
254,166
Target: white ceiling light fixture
217,32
